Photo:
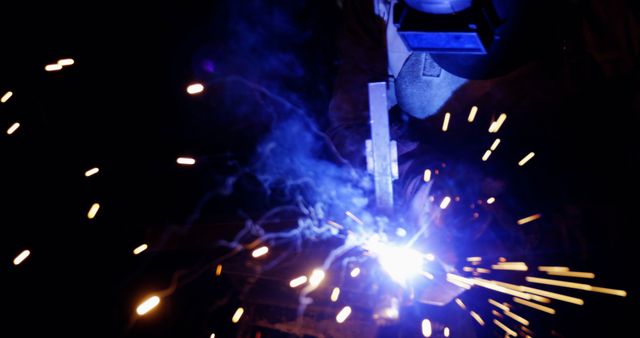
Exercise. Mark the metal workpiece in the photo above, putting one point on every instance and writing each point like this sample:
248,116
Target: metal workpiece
382,154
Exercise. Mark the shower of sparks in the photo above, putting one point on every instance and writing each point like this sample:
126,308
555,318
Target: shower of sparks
343,314
335,225
213,335
575,274
237,315
528,219
186,161
430,257
486,155
553,268
6,97
427,175
460,304
464,280
21,257
148,305
515,266
472,114
354,218
543,293
355,272
52,67
495,126
455,280
91,172
401,232
445,202
505,328
335,294
298,281
560,283
93,211
426,275
492,126
140,249
477,318
526,330
517,318
526,159
261,251
445,123
195,88
316,277
535,306
66,62
13,128
608,291
426,327
495,145
499,287
498,305
391,312
522,293
540,299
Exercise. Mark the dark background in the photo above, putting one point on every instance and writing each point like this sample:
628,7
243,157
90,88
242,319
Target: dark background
123,108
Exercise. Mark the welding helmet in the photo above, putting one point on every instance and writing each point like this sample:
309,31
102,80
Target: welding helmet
435,46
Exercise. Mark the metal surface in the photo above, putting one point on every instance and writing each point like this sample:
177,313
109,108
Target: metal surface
380,155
